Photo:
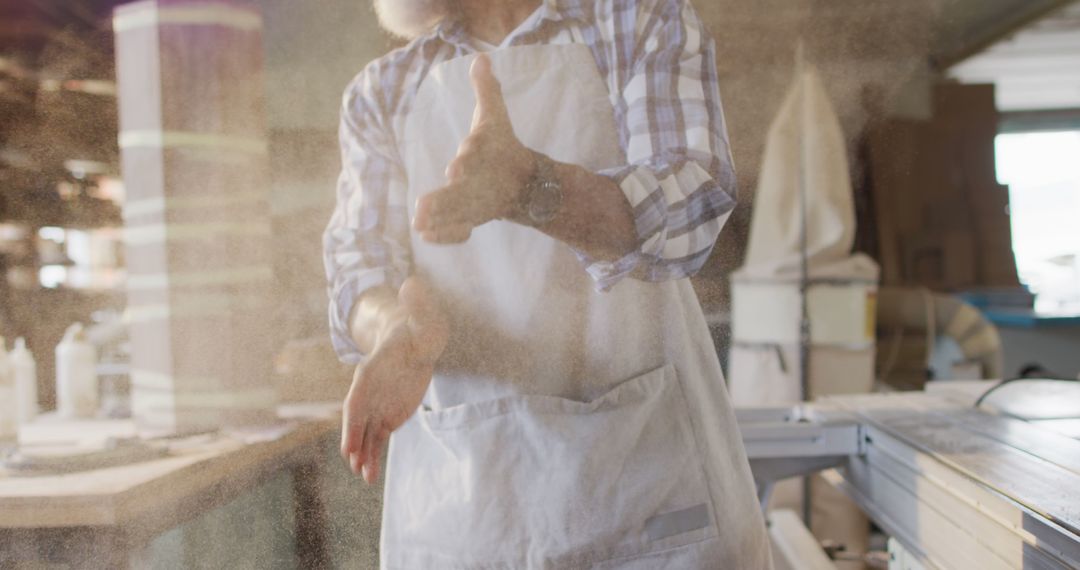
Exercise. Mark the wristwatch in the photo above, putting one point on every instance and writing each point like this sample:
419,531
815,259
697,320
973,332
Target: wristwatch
542,195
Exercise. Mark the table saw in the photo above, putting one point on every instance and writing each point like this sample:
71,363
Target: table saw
954,485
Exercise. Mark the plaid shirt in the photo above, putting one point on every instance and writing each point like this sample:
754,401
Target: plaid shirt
660,69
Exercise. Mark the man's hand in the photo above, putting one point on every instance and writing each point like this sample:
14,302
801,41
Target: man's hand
388,388
486,176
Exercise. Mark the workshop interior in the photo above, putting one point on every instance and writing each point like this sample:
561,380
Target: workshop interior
894,301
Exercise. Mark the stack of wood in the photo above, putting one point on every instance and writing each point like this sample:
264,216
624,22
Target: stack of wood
941,220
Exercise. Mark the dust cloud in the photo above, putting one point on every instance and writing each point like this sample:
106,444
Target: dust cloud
874,56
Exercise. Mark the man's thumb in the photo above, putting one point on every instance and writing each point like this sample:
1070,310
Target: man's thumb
489,98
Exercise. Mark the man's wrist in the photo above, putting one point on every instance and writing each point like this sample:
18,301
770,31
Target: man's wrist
392,320
522,168
542,196
371,317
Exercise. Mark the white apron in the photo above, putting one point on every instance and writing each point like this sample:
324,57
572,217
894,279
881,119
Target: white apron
564,428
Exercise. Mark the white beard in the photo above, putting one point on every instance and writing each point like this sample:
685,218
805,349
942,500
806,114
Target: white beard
410,18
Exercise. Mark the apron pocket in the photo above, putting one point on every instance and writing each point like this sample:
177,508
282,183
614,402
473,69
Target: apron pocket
547,482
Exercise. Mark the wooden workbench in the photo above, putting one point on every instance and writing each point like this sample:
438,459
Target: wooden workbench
105,518
961,488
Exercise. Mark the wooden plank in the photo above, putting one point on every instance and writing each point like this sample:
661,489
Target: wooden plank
151,497
1031,439
916,507
964,475
1049,487
1042,486
797,548
947,517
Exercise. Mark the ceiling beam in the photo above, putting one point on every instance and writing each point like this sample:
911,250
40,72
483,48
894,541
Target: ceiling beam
973,26
1046,120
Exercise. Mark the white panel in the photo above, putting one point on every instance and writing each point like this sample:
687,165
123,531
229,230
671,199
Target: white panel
840,314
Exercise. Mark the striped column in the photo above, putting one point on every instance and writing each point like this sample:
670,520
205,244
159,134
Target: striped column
197,221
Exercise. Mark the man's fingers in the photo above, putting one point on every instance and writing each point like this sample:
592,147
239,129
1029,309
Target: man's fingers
456,168
357,433
453,170
346,438
451,205
349,441
371,432
489,97
373,466
448,235
352,435
439,208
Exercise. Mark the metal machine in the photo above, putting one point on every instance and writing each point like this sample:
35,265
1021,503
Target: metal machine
955,486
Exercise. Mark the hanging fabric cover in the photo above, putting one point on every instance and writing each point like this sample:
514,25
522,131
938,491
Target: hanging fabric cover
805,151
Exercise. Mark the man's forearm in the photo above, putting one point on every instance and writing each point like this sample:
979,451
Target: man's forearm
594,217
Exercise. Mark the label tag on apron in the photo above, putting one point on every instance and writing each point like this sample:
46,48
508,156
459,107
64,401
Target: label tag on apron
678,522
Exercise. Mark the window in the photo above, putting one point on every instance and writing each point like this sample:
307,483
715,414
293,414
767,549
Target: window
1042,170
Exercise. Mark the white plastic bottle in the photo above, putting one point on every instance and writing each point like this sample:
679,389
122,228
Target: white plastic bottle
24,374
76,377
9,424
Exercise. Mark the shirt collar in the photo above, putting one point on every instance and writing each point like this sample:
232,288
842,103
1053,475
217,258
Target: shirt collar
452,31
558,10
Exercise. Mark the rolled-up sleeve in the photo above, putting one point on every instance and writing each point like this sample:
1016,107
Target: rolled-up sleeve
679,178
366,243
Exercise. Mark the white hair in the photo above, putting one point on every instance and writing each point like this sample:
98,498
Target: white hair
411,18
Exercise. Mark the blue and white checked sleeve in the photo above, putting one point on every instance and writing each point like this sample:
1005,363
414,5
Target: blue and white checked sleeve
366,243
679,178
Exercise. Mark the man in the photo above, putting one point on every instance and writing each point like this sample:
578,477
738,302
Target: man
508,267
